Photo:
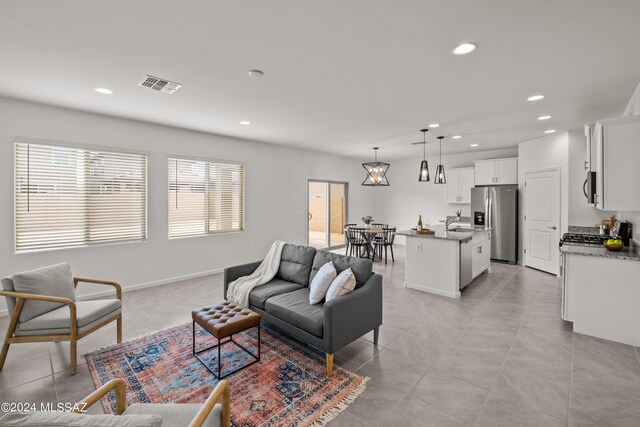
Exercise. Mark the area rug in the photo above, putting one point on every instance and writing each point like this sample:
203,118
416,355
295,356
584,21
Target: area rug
288,387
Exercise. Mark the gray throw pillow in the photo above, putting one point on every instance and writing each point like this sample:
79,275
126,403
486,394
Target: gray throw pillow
54,281
321,282
57,419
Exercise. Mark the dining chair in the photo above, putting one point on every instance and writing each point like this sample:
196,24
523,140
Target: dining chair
386,241
357,239
379,225
346,236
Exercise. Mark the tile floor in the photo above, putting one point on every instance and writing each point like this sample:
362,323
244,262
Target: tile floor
499,356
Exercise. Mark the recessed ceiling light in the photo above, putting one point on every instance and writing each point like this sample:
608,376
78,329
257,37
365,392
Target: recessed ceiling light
550,131
544,117
456,137
464,48
245,122
104,91
256,73
434,125
473,145
535,97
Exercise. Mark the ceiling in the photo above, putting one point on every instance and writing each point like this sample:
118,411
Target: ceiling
340,76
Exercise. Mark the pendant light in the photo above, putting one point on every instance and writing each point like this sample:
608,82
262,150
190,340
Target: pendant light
424,165
376,172
440,177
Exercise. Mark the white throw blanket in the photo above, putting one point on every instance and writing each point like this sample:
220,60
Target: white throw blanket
239,290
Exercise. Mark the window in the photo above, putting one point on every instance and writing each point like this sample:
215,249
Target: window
205,197
70,196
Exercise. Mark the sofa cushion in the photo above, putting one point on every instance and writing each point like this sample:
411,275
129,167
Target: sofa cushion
176,414
295,264
261,293
59,419
55,281
86,312
362,268
294,308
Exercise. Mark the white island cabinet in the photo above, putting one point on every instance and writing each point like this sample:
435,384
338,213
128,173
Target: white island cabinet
443,263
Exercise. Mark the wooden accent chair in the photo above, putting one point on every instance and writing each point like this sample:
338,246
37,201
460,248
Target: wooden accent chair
193,415
60,318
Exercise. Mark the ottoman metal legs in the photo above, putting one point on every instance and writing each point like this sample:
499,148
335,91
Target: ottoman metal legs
218,346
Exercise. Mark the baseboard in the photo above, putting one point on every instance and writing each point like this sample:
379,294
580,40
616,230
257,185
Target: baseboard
432,290
139,286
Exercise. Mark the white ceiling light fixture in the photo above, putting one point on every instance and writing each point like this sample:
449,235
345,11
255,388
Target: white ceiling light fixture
456,137
544,117
104,91
533,98
434,125
464,48
256,73
245,122
473,145
550,131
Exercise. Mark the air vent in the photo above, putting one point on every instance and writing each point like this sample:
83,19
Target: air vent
161,85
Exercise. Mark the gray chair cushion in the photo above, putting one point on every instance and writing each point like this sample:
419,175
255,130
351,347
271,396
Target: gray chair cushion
86,312
59,419
295,264
177,414
55,281
362,268
7,285
261,293
294,308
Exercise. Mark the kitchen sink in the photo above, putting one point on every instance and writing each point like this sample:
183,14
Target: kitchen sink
461,229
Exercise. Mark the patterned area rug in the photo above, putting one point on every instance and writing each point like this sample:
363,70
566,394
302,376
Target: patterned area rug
288,387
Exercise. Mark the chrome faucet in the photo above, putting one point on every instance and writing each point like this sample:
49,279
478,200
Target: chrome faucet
450,221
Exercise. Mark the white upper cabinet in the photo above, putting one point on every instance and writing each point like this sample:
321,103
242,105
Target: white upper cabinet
617,150
459,184
485,172
496,171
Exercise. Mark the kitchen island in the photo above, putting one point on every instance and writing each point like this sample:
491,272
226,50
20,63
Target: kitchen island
445,262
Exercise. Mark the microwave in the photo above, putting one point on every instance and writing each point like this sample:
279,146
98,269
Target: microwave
589,187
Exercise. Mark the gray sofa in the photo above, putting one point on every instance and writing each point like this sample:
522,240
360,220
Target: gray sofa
284,301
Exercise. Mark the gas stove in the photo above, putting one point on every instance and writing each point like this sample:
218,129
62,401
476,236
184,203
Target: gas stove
582,239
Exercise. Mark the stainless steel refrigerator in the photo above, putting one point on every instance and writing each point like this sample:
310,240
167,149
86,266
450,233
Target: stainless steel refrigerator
497,207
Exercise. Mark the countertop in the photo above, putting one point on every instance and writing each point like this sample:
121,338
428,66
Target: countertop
441,233
628,253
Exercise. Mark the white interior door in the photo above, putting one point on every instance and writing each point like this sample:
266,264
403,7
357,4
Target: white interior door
542,220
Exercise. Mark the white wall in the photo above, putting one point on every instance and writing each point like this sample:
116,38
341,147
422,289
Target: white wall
400,204
544,153
633,109
580,212
275,195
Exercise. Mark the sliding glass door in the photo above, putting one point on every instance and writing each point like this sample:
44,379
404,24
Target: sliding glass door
326,213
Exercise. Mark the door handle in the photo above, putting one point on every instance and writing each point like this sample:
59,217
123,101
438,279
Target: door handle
310,216
553,227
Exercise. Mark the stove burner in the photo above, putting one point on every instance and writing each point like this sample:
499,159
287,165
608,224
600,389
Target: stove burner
583,239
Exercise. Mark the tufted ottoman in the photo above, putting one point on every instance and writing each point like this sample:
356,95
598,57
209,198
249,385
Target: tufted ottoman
223,320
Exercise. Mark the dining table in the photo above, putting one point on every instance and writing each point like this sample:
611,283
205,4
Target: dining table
369,235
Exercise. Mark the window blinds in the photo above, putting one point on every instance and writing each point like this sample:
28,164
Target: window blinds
205,197
70,196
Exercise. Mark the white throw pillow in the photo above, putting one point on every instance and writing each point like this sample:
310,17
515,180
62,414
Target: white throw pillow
321,282
342,285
